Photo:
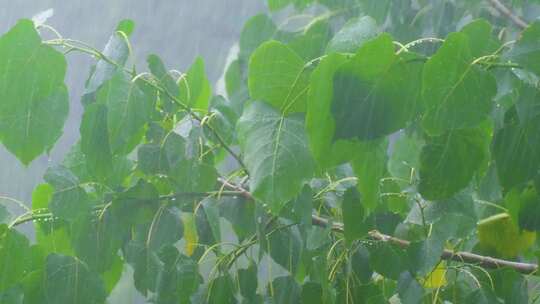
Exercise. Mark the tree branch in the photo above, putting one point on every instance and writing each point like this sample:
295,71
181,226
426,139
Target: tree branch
459,256
506,12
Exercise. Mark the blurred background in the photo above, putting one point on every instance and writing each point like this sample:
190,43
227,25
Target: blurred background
177,30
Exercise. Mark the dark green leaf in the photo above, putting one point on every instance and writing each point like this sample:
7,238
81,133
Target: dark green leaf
410,291
353,216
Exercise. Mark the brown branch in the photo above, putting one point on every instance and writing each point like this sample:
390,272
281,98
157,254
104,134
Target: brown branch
505,11
459,256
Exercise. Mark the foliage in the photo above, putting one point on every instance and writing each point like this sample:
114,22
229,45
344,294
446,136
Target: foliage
357,147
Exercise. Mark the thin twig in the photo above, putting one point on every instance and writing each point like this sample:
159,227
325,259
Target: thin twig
501,8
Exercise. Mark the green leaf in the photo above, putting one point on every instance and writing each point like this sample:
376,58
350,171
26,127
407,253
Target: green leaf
353,35
14,257
257,30
68,280
353,215
126,26
312,293
449,162
320,124
283,245
95,141
97,240
166,82
482,296
360,264
117,50
69,201
34,100
405,158
165,229
285,290
374,93
277,76
233,78
179,278
456,93
208,222
410,291
128,110
221,290
425,255
247,281
190,169
369,167
387,260
526,51
146,265
312,42
195,90
529,212
276,154
275,5
481,40
517,159
241,215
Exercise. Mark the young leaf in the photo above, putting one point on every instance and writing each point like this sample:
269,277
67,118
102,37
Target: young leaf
34,100
276,154
277,76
